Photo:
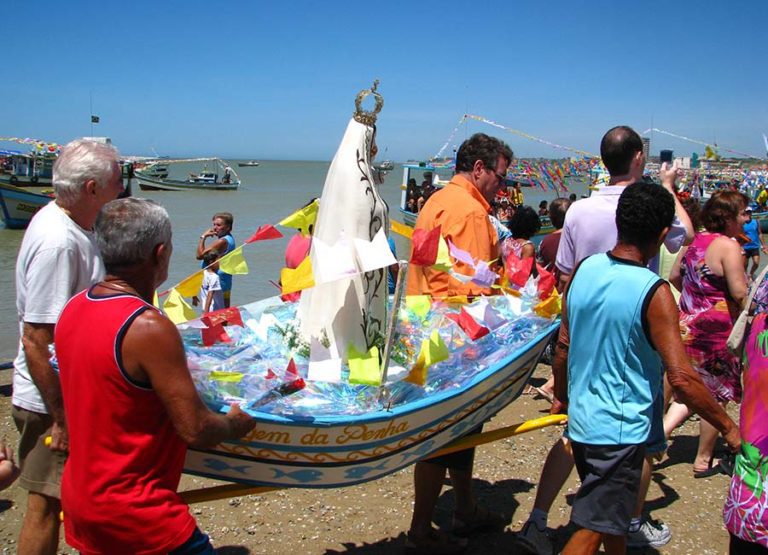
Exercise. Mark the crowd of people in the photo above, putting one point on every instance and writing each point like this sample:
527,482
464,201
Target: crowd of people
104,425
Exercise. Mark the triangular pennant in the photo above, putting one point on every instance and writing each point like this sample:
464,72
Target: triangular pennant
425,245
461,255
190,286
468,324
214,334
375,254
177,309
546,282
230,315
436,350
418,373
364,368
264,233
299,279
156,300
290,370
484,276
484,313
518,271
443,260
418,304
550,307
270,374
234,262
302,218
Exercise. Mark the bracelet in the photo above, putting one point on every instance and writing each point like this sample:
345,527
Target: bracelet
202,237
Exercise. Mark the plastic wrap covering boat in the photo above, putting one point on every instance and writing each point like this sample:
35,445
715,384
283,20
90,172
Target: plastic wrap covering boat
222,178
332,434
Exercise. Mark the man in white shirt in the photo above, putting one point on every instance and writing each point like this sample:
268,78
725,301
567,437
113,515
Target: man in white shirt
58,258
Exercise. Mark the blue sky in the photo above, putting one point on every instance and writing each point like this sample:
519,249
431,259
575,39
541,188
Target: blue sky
269,80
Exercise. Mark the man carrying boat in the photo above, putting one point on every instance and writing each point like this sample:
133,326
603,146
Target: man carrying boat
129,398
590,228
611,393
58,257
461,210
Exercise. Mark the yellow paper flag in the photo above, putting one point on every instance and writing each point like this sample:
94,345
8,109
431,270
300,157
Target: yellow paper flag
435,349
190,286
220,376
443,260
401,229
298,279
303,217
364,368
156,300
550,307
233,262
418,374
177,309
457,299
418,304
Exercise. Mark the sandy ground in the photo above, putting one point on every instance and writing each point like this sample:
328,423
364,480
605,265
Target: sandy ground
371,518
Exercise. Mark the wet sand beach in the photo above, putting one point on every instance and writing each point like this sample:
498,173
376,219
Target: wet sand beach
372,518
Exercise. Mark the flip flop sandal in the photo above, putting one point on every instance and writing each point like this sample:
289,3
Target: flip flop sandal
713,470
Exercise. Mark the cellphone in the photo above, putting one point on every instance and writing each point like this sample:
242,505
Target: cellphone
665,156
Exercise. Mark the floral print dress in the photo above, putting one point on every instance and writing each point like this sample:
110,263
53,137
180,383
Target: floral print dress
746,508
707,313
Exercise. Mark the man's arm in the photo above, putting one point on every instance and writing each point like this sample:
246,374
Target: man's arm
164,365
663,322
566,254
760,238
560,361
668,177
36,338
220,244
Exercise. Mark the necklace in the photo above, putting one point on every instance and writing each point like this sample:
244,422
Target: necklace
116,287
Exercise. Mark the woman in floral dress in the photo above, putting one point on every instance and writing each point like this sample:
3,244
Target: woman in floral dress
710,275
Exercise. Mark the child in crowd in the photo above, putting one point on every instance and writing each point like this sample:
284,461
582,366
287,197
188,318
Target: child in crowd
211,294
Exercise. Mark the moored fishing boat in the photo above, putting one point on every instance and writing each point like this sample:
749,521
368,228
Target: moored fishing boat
18,205
248,164
227,180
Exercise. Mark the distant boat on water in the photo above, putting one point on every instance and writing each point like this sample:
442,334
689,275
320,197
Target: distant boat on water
248,164
155,176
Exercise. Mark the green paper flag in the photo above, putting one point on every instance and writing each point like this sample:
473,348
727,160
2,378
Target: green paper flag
364,368
418,304
434,349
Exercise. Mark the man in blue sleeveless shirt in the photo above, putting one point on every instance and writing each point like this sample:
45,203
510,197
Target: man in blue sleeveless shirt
610,392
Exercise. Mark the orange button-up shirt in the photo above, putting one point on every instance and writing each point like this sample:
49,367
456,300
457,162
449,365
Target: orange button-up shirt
462,214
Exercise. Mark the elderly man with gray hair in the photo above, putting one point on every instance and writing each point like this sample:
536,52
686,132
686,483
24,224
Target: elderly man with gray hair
131,406
58,257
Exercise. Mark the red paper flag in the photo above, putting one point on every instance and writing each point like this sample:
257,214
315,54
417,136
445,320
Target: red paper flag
425,245
270,374
546,282
265,232
518,271
215,334
291,369
470,326
230,315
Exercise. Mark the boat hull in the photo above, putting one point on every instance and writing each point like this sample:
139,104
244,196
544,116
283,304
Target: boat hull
151,184
25,180
17,205
343,451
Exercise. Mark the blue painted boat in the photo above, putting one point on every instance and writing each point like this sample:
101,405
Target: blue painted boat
342,450
18,205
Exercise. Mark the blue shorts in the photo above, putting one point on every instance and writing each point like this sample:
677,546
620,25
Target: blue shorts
656,442
197,544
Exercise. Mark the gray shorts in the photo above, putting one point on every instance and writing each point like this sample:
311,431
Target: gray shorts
610,479
41,468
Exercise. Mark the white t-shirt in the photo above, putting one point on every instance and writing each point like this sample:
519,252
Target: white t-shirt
57,259
211,282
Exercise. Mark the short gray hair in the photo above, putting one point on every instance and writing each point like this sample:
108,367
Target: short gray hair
80,161
128,229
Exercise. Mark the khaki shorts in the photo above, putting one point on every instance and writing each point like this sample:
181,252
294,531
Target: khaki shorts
41,468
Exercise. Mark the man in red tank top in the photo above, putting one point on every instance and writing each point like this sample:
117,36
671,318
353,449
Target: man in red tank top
131,410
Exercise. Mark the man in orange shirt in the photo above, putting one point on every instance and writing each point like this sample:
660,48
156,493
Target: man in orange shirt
461,210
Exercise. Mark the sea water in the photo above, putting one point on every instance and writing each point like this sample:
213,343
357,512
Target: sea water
267,194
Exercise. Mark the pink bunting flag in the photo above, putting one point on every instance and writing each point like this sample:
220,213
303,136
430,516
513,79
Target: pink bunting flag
424,246
264,233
